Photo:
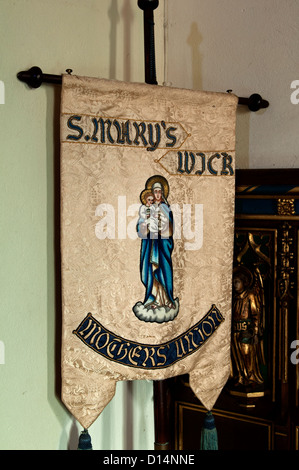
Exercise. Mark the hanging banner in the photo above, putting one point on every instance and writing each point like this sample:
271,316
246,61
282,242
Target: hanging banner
147,224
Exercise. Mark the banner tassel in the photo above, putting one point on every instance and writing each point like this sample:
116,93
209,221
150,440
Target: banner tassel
85,441
209,438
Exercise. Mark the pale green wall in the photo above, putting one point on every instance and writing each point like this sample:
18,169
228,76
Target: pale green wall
249,46
102,38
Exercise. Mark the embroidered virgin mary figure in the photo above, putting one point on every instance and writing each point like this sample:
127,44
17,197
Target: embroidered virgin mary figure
155,228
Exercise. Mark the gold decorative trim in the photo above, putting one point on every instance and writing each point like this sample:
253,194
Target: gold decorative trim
264,196
267,217
248,395
284,287
297,328
286,207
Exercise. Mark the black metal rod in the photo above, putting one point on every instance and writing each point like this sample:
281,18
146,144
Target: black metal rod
148,7
34,77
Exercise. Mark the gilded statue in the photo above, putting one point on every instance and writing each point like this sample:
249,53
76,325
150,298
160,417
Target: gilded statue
247,331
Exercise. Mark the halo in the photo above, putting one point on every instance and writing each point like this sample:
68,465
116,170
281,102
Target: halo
160,179
144,194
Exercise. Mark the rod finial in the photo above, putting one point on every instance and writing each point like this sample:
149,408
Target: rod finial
33,77
256,102
148,4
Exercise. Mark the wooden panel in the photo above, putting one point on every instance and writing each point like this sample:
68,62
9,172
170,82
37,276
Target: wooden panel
234,430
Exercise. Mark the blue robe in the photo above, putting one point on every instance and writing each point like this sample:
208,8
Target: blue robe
155,259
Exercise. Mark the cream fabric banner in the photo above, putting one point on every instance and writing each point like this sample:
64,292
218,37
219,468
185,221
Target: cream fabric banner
147,222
